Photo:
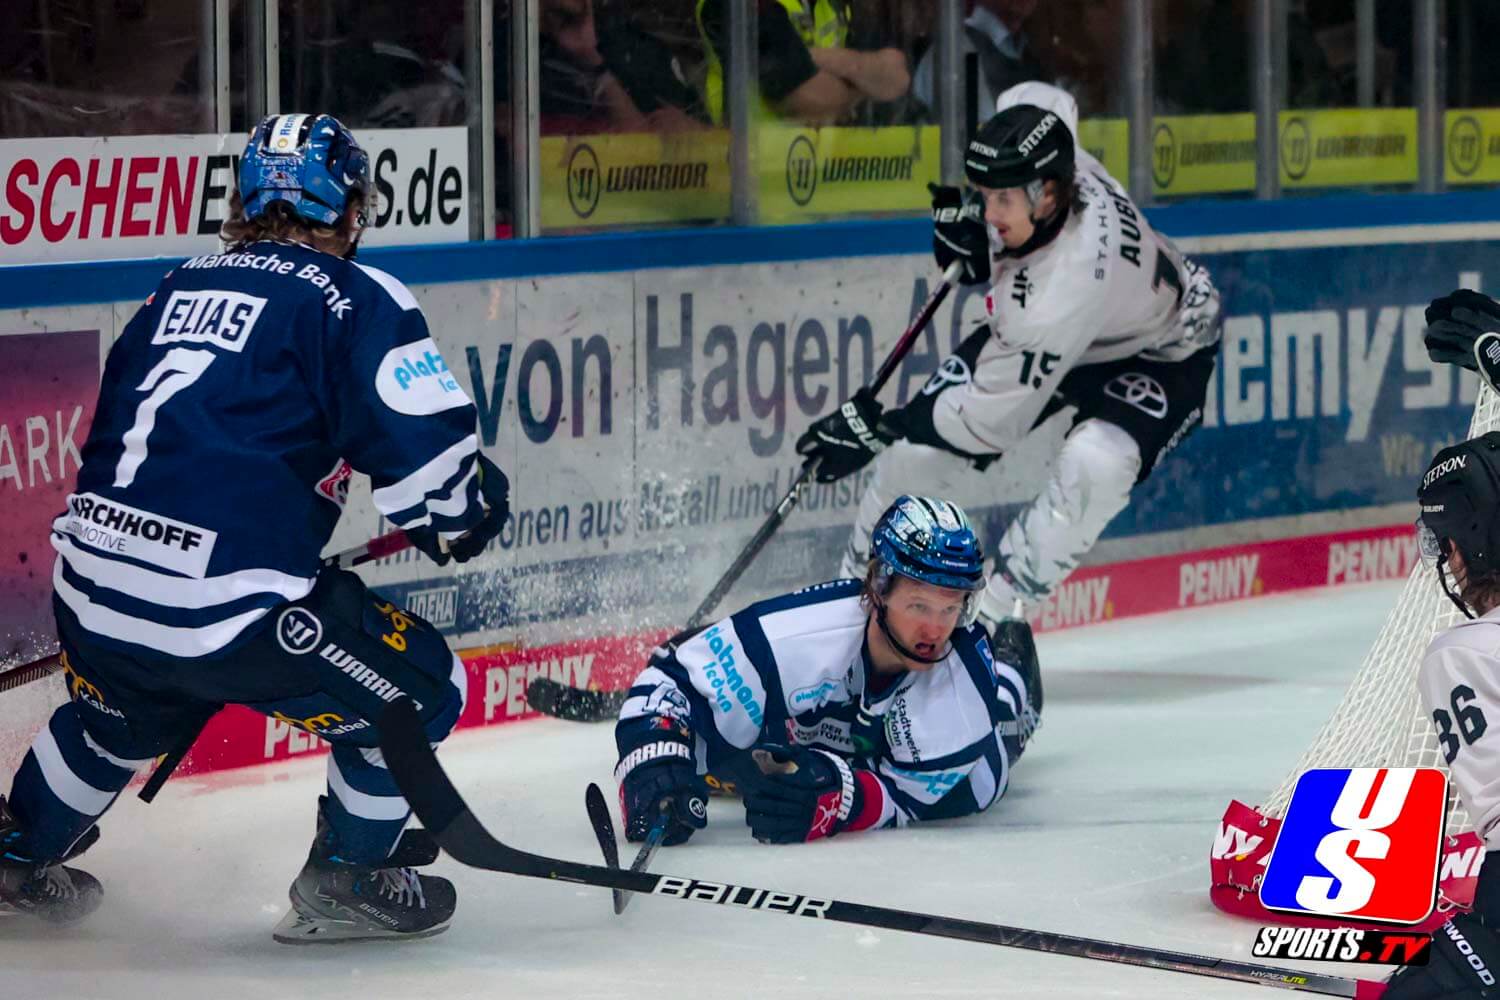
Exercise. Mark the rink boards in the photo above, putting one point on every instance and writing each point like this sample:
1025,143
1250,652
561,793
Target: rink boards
647,416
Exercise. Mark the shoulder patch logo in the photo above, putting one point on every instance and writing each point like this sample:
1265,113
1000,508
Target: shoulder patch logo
415,380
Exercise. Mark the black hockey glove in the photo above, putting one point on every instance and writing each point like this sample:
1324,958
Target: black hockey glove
958,233
797,794
494,488
1464,963
847,439
1012,643
656,771
1462,330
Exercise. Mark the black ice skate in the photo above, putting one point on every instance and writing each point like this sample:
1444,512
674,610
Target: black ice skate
47,891
335,901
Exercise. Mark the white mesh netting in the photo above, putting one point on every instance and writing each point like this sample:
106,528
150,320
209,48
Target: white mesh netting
1380,723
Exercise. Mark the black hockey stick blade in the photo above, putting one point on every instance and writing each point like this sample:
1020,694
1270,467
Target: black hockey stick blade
604,832
444,813
553,698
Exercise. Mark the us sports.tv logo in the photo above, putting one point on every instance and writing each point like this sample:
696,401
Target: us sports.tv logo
1360,844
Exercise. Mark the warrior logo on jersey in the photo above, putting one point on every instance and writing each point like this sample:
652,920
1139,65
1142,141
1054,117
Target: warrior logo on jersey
334,487
1141,391
298,631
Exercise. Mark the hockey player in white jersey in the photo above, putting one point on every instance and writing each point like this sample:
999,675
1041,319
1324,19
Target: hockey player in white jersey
1459,683
231,410
846,706
1088,307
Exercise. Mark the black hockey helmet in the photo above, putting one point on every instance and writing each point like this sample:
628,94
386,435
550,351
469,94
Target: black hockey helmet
1020,145
1460,498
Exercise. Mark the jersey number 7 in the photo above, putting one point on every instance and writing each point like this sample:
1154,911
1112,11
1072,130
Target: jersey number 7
181,367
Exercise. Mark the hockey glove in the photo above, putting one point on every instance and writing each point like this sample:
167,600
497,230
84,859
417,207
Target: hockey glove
1011,643
1461,330
494,489
656,772
1464,965
797,794
846,440
958,233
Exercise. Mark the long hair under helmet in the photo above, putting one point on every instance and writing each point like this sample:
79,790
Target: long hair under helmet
931,541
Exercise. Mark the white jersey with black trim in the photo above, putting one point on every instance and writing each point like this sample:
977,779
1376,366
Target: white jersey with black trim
796,669
1107,287
1459,683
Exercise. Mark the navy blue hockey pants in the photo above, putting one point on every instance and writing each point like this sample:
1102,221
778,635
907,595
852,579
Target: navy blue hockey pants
326,664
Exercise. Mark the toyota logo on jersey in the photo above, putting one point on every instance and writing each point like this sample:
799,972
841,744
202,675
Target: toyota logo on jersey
953,371
1141,391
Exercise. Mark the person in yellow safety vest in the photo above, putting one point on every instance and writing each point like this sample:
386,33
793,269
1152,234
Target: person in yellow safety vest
813,66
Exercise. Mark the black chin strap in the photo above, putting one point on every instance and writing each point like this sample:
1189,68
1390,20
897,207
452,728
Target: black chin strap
1044,232
1442,575
890,637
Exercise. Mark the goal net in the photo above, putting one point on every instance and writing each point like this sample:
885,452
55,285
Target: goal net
1378,723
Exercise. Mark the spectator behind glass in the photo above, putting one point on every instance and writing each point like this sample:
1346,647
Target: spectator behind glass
813,68
608,75
1203,59
994,33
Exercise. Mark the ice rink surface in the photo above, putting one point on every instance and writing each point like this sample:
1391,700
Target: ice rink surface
1151,726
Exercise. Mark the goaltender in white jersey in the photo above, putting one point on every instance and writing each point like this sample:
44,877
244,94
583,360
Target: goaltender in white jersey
849,705
1088,307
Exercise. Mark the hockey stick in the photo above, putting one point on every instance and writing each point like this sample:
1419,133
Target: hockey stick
604,830
378,547
445,815
551,697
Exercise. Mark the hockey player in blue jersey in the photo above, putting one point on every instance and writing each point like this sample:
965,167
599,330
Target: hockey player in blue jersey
230,411
846,706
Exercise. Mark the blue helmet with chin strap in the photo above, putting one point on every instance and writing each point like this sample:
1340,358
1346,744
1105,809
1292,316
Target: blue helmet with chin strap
312,163
929,540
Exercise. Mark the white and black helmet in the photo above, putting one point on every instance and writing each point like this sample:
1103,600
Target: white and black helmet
1020,145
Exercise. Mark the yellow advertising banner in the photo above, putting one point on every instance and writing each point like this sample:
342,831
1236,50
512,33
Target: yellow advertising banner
635,178
1348,147
816,173
1108,141
1200,154
1471,146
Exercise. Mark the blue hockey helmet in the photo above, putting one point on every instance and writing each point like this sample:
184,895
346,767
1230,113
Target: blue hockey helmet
930,540
310,162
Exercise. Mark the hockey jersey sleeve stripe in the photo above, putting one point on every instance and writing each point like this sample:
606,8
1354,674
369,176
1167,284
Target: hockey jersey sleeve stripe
399,293
406,502
63,781
362,804
173,640
177,591
877,809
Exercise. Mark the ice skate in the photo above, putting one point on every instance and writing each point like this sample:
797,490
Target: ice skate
50,892
334,900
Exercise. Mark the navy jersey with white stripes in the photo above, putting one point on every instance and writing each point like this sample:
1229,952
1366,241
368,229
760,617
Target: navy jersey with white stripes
797,669
230,412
